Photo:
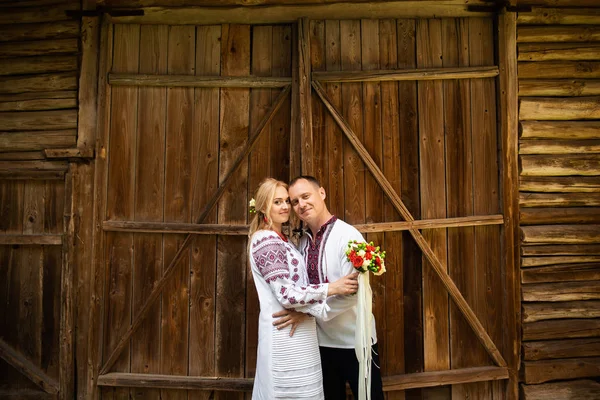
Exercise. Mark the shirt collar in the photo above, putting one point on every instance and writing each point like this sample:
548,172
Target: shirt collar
324,226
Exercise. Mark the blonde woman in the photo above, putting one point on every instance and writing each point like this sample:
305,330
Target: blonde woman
288,361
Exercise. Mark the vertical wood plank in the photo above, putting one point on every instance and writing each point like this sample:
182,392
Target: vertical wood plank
352,106
259,168
433,200
231,251
98,264
304,93
335,137
373,141
120,197
54,210
205,145
410,193
317,59
180,109
149,187
280,125
80,240
488,307
507,38
459,173
391,323
31,274
88,81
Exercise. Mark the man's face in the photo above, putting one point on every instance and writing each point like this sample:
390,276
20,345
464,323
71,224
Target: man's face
308,201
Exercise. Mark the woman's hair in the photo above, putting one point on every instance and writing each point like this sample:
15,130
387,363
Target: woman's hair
264,201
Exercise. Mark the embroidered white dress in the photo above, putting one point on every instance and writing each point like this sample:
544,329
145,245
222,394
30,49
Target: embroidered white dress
287,367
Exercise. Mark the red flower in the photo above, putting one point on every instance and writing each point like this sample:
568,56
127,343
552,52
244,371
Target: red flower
370,248
357,261
378,262
369,256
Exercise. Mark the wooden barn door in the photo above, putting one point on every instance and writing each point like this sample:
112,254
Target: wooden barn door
404,138
405,129
195,117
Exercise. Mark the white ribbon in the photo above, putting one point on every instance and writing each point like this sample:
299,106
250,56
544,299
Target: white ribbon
362,344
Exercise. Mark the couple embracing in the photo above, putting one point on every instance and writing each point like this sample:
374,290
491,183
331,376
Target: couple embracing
307,322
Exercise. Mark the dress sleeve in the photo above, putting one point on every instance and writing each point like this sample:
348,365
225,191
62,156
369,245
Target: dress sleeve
270,256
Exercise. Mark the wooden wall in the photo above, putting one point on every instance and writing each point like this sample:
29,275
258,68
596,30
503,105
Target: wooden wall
559,114
39,73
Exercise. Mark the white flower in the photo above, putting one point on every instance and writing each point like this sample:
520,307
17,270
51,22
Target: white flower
252,203
361,253
366,263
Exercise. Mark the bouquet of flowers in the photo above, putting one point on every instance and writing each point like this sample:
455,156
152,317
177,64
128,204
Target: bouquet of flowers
366,257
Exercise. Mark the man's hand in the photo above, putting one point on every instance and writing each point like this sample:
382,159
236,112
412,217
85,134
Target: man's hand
287,318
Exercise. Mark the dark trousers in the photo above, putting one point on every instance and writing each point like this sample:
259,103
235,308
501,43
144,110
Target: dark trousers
341,366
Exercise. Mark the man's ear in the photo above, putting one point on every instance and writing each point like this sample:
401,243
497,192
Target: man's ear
322,193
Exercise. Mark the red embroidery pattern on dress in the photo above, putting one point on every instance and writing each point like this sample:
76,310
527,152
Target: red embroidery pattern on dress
271,259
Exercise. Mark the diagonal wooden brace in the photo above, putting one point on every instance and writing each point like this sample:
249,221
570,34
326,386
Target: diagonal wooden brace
27,368
160,285
437,265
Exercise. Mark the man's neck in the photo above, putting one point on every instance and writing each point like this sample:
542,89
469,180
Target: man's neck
314,229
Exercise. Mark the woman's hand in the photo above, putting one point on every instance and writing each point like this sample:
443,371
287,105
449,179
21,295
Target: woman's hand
344,286
287,318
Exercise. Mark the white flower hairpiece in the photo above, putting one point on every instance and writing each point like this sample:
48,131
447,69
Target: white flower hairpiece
252,206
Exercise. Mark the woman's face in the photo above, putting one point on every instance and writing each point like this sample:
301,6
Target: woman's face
280,209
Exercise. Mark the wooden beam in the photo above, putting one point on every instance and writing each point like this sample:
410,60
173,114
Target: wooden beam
159,286
556,260
304,93
558,51
550,370
559,146
557,109
560,16
27,368
83,152
564,184
155,381
560,129
509,130
560,234
562,291
565,348
38,83
572,390
390,383
561,329
561,249
31,240
560,165
37,140
288,13
37,65
562,273
559,215
533,312
198,81
418,74
559,69
39,120
39,47
48,30
220,229
56,12
559,87
38,104
557,33
441,378
437,265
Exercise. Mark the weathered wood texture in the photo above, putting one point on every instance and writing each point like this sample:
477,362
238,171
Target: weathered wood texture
571,390
31,297
38,56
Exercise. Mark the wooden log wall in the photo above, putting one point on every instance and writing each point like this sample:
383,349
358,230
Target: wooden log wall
559,117
39,75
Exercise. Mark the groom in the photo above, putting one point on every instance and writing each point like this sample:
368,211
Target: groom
323,247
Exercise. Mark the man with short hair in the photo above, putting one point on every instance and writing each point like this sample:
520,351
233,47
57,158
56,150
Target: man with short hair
324,250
